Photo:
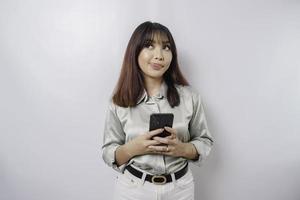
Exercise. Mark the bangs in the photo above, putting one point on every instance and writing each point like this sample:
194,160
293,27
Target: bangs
150,36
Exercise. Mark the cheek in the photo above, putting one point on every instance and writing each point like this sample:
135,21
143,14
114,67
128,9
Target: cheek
144,56
142,60
168,58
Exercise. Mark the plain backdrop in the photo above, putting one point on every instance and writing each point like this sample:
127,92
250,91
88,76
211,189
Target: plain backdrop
60,60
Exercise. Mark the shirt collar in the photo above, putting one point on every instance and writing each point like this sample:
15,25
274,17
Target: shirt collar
162,93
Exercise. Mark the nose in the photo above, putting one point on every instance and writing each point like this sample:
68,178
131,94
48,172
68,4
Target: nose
158,54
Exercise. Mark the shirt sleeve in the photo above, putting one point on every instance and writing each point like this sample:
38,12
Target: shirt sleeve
200,135
113,137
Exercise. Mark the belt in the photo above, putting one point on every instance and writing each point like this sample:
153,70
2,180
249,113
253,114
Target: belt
158,179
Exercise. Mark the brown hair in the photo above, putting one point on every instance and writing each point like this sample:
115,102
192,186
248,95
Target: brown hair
130,86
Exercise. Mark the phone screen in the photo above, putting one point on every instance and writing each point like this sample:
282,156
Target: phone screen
160,120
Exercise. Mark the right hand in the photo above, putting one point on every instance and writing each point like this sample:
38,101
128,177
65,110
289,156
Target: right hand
140,144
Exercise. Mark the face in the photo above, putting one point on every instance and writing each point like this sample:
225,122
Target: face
155,59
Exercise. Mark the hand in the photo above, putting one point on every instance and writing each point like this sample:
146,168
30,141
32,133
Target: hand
173,146
140,145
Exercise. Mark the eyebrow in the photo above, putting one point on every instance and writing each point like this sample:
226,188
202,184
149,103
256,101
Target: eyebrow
152,41
166,42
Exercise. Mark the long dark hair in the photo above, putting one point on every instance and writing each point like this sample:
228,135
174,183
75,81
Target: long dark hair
130,86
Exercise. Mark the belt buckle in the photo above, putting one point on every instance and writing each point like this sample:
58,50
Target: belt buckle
159,180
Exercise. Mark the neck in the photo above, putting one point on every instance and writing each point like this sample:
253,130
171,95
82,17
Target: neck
153,85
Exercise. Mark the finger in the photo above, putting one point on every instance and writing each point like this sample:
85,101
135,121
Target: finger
159,148
171,137
162,140
152,150
166,140
171,130
167,153
150,134
152,142
174,141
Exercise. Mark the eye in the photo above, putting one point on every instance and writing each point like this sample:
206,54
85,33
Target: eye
149,46
167,47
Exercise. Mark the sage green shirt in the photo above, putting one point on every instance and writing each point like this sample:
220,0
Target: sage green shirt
124,124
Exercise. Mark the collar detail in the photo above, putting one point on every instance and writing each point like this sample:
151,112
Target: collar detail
162,93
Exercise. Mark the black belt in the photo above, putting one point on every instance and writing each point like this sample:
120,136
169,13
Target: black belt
158,179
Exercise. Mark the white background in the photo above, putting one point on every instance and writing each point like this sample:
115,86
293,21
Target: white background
60,60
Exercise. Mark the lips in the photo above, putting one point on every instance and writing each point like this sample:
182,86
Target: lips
156,66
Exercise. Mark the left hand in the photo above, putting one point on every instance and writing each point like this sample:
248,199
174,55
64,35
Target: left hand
173,146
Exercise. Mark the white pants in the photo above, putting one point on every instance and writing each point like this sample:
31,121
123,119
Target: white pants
129,187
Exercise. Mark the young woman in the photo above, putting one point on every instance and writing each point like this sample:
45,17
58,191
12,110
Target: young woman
153,167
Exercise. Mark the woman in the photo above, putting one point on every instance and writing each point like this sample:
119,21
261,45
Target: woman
153,167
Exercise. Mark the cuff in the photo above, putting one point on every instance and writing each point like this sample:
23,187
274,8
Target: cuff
108,156
203,150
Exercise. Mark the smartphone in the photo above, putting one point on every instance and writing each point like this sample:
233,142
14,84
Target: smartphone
160,120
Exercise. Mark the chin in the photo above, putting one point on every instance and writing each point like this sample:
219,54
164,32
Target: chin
156,75
151,76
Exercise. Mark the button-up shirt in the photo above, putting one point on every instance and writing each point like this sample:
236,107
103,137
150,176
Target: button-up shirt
124,124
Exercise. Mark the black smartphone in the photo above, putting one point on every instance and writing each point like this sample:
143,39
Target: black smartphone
160,120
